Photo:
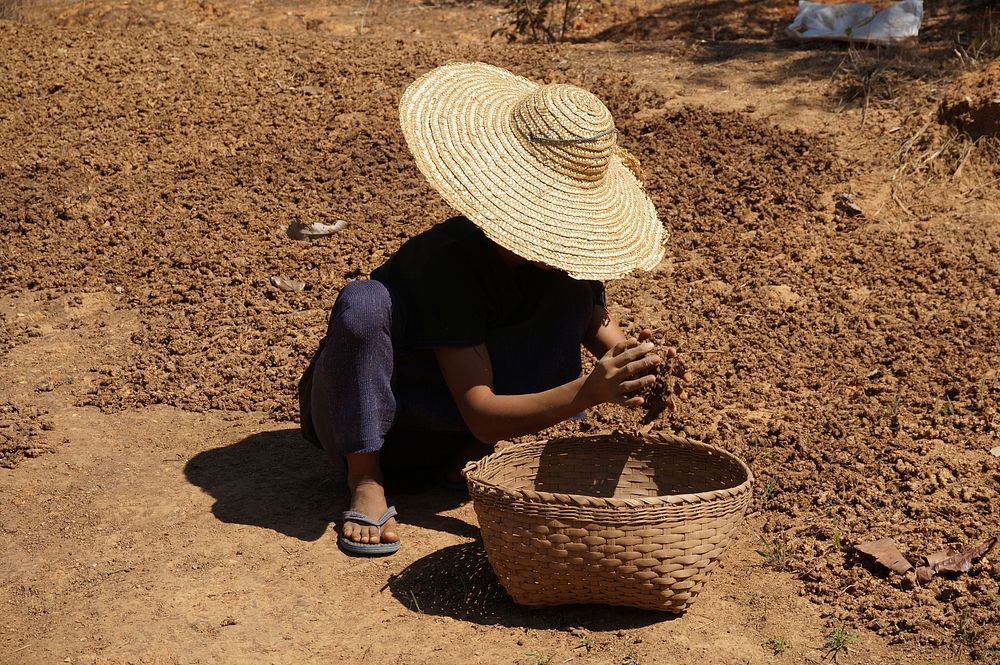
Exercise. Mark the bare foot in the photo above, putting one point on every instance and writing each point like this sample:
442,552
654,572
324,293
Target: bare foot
364,478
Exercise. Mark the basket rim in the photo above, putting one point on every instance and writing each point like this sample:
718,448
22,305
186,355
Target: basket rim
582,500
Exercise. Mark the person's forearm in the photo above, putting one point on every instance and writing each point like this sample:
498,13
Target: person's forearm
604,332
616,376
494,417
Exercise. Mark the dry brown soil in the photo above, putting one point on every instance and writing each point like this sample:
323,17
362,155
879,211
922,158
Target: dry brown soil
833,283
974,102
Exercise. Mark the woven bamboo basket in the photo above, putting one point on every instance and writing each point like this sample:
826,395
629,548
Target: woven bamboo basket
608,518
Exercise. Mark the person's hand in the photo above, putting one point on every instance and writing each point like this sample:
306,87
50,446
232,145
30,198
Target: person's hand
670,352
621,373
675,369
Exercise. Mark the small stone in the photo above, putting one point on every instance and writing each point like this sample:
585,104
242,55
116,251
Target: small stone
290,285
847,205
298,230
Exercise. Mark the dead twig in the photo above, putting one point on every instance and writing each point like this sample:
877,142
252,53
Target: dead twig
965,158
908,144
364,15
895,197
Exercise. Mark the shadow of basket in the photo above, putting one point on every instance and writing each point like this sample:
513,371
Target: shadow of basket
458,582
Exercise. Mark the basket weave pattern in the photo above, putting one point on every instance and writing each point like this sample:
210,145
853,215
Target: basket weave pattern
608,518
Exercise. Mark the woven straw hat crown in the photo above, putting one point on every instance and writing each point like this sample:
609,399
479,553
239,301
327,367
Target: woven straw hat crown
536,167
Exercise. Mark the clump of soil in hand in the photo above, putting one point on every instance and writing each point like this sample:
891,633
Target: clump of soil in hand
668,390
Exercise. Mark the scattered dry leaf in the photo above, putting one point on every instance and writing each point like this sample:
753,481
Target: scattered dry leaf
885,552
953,561
934,559
962,561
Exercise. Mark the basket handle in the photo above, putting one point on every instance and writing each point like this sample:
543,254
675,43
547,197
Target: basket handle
469,468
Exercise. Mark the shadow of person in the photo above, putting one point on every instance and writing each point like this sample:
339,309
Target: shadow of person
275,480
458,582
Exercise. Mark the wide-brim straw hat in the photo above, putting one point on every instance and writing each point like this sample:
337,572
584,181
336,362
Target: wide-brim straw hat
536,167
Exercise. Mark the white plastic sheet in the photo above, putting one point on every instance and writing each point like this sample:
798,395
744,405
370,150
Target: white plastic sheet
857,22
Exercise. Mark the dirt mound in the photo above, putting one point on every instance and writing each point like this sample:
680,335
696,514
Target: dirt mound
21,428
973,103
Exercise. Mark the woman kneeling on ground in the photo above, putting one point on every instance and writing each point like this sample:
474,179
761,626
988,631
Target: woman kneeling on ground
471,332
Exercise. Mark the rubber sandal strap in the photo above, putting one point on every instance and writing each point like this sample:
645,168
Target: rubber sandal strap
355,516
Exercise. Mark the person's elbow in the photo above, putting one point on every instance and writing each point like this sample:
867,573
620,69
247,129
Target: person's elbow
478,412
485,428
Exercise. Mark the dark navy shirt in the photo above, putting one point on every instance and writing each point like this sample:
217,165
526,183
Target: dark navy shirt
451,287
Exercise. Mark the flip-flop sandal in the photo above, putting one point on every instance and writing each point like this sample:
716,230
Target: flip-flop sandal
368,549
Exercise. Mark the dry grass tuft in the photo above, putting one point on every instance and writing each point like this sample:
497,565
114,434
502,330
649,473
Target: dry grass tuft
934,153
10,10
979,49
863,75
871,76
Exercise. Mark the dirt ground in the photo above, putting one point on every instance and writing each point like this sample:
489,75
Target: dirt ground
832,282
